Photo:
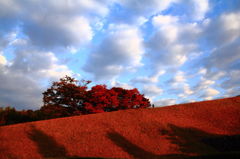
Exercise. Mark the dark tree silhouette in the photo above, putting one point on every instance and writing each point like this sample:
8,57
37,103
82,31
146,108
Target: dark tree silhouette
66,93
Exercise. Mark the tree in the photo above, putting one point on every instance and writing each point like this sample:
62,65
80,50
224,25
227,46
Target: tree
129,99
66,93
100,99
10,115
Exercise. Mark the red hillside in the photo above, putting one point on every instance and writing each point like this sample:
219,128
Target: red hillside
200,128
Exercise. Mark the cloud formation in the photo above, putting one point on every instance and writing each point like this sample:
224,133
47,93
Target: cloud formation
121,50
23,78
172,50
53,24
173,41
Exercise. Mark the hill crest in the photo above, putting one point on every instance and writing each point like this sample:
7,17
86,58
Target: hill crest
150,133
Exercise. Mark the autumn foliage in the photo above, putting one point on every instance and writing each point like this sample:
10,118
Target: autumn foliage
69,97
74,96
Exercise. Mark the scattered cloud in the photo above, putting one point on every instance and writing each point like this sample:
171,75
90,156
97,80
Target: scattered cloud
53,24
115,83
209,93
121,50
199,9
174,49
172,42
151,79
151,91
24,77
165,102
142,7
58,32
3,60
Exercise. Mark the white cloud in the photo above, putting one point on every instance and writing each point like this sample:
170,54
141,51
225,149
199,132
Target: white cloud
151,79
163,20
152,90
55,23
230,92
201,7
147,8
137,12
25,75
228,55
120,50
209,93
232,81
164,102
166,24
3,60
223,62
63,31
195,10
186,91
115,83
228,29
179,78
172,42
19,91
203,84
202,71
180,86
172,28
70,7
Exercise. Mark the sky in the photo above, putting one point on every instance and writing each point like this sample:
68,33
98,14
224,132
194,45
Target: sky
172,51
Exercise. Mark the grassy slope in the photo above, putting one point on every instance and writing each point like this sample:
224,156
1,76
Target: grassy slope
167,132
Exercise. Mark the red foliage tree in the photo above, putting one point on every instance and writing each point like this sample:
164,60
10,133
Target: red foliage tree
129,99
100,99
66,95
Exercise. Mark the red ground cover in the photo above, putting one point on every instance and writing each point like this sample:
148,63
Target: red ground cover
166,132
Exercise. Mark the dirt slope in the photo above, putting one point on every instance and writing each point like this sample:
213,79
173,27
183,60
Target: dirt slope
167,132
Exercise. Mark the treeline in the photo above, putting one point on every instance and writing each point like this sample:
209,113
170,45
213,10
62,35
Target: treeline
69,97
10,115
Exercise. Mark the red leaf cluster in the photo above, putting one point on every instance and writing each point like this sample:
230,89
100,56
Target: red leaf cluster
68,93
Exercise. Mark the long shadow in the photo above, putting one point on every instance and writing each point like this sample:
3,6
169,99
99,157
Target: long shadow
47,145
225,143
137,152
192,140
127,146
4,151
189,140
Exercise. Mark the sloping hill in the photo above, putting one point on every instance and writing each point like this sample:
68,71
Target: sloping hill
200,128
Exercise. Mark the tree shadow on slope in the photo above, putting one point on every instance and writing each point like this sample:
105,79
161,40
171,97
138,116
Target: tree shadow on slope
47,145
190,141
4,152
137,152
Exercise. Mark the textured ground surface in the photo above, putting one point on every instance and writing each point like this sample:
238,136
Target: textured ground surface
171,132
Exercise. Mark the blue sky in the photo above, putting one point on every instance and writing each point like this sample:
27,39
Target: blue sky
173,51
